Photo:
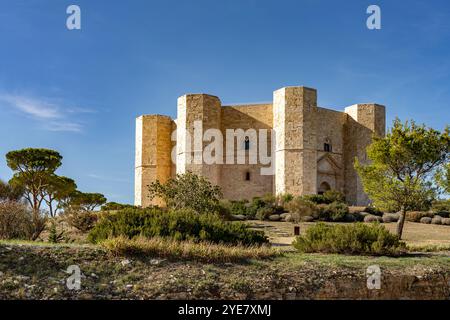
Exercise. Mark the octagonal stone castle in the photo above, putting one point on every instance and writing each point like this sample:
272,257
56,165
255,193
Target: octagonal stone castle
312,148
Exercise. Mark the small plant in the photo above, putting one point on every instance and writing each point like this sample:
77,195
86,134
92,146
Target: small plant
299,207
265,212
331,196
355,239
54,236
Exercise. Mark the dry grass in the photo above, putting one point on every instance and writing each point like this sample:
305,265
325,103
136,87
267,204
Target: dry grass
198,251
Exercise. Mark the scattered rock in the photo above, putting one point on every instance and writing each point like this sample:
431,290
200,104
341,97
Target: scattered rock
129,286
446,221
274,217
125,262
289,218
436,220
307,219
284,215
239,217
372,218
390,217
426,220
155,262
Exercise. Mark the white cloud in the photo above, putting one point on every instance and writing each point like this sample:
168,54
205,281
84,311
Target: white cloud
52,116
35,108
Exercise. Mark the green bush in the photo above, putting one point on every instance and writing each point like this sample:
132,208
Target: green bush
328,197
374,211
284,199
355,239
441,207
331,196
175,224
116,206
335,211
264,213
299,207
315,198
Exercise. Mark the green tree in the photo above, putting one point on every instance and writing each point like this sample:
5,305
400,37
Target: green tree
188,191
57,190
443,178
402,166
86,201
9,192
31,170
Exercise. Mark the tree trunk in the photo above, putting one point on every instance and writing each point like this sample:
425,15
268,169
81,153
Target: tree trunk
401,223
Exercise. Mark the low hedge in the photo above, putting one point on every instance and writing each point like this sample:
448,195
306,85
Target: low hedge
355,239
178,225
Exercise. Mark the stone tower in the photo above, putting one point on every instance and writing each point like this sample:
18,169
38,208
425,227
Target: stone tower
201,112
153,155
294,122
363,121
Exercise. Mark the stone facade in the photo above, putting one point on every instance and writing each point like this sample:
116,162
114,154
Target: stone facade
313,151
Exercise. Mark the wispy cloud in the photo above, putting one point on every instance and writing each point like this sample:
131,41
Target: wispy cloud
52,116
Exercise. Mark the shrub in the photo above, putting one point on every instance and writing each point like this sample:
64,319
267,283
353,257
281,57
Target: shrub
372,218
81,220
416,216
331,196
175,224
265,212
441,206
284,199
116,206
198,251
391,217
332,212
328,197
301,207
337,211
18,222
188,191
14,218
54,235
356,239
426,220
374,211
315,198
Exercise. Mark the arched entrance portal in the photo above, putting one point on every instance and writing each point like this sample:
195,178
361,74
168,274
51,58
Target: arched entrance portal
324,186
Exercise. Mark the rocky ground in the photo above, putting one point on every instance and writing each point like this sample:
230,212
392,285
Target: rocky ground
40,272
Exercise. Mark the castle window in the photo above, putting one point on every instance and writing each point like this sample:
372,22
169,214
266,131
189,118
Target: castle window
247,176
247,143
327,145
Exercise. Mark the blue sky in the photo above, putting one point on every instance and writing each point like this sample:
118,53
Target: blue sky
79,92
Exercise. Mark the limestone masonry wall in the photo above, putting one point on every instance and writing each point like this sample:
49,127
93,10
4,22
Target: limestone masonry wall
313,151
